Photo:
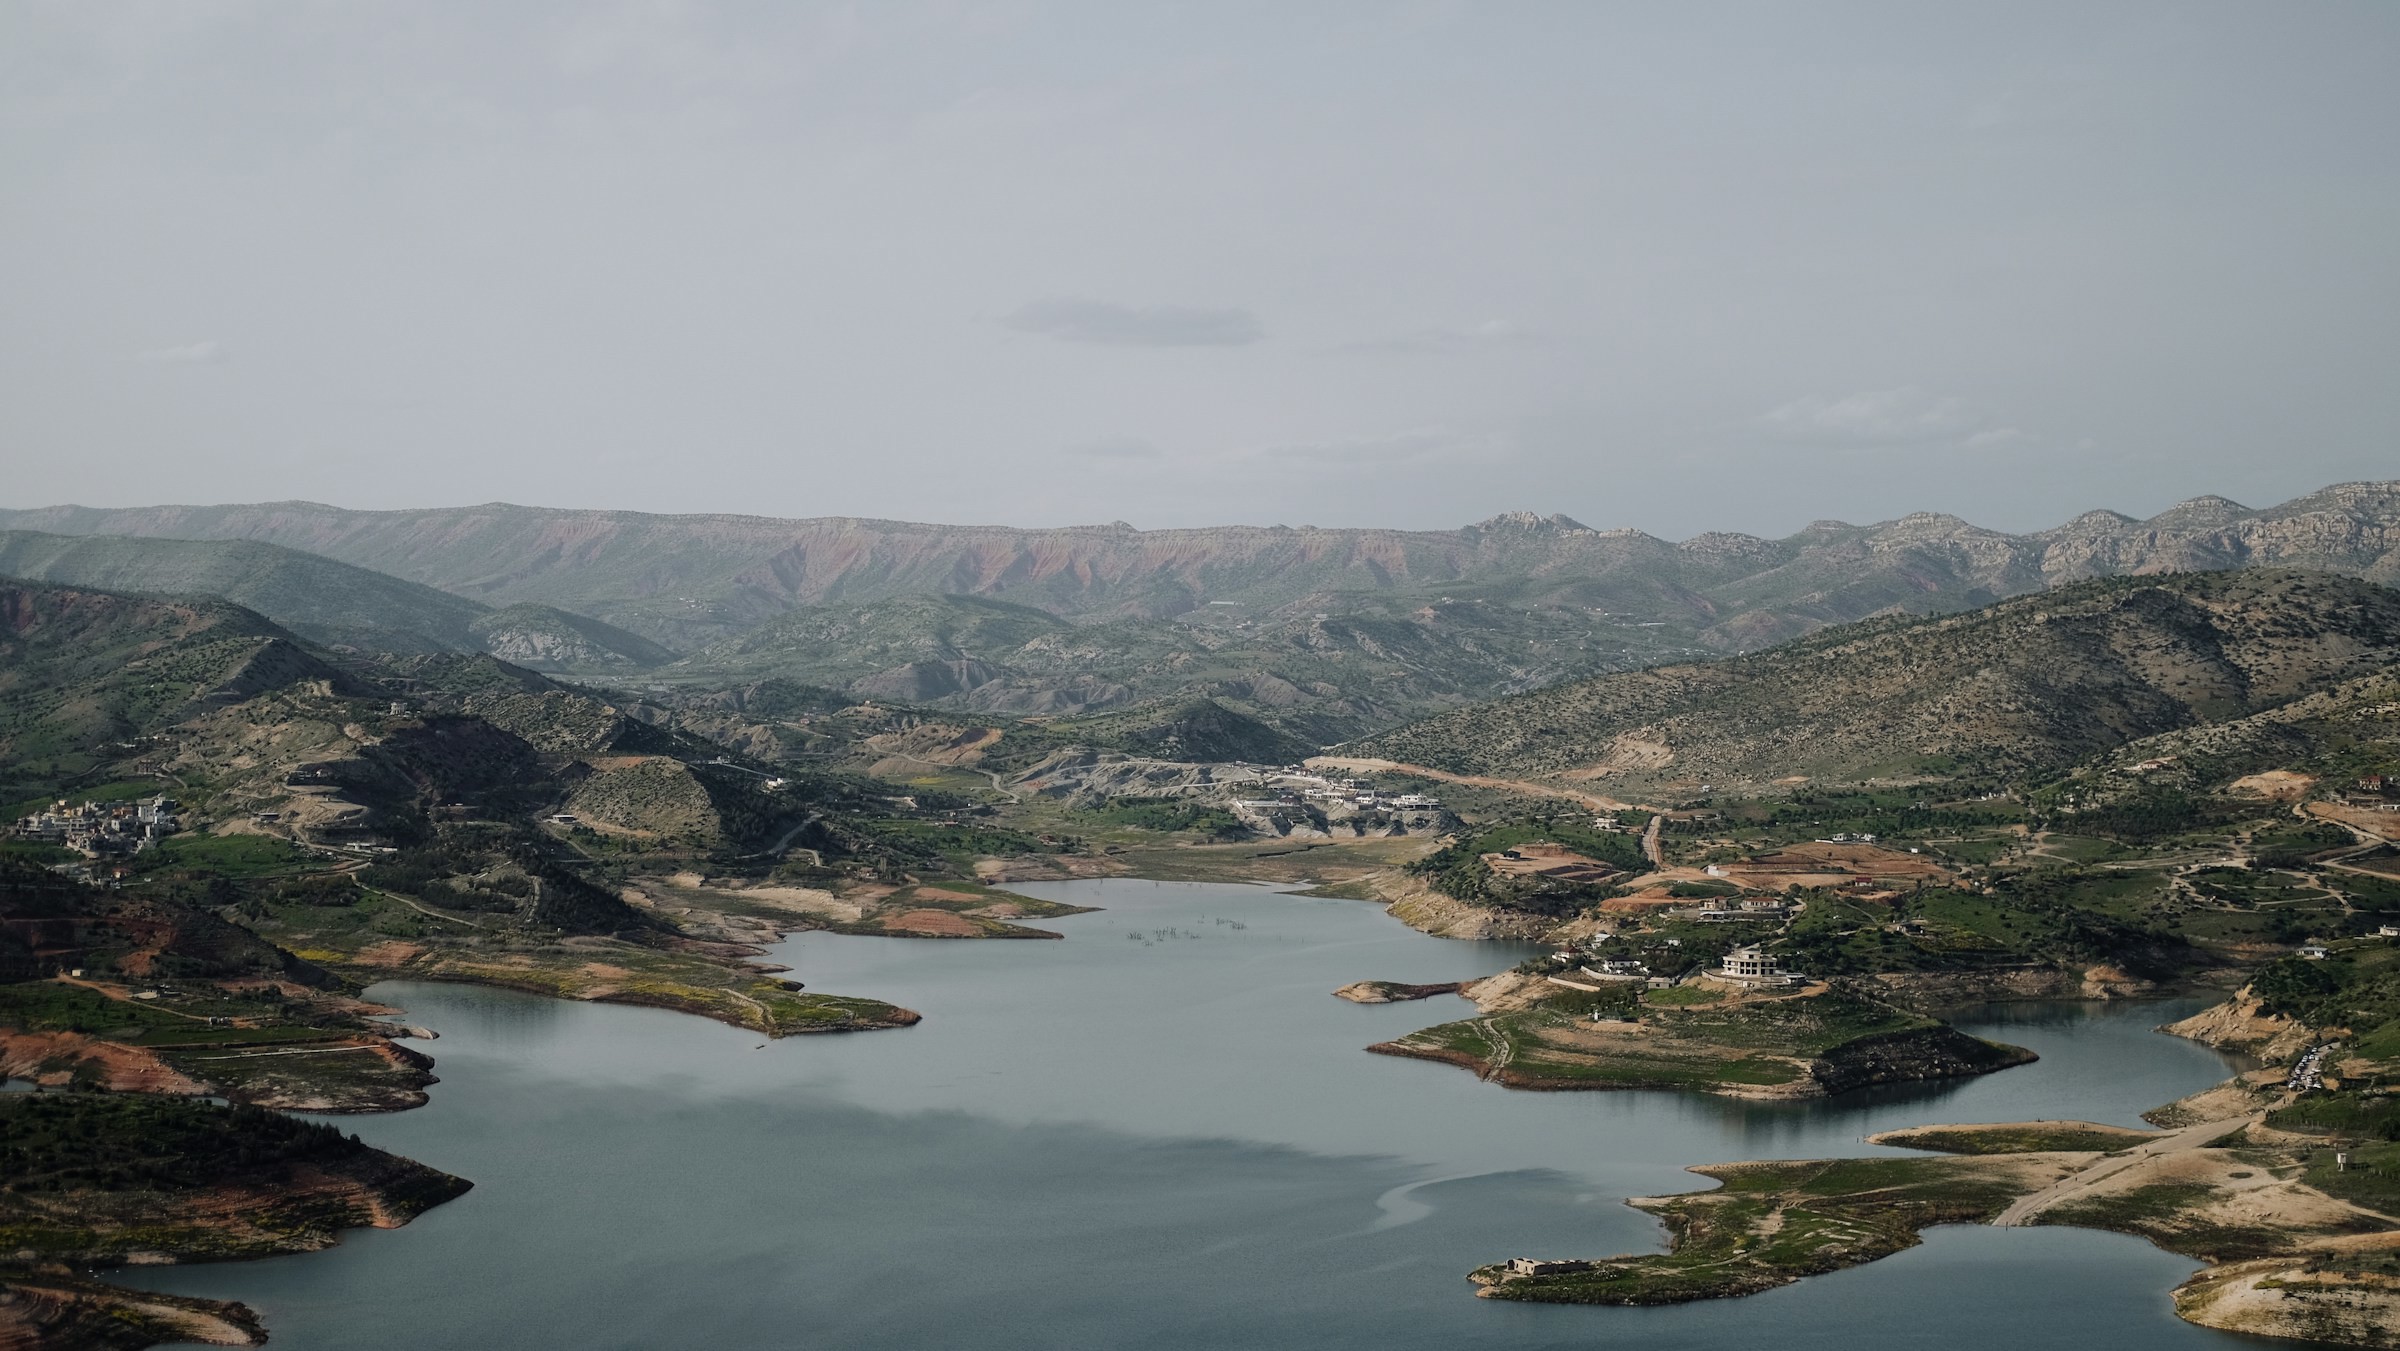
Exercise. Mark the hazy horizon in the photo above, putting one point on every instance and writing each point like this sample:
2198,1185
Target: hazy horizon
1668,268
1097,525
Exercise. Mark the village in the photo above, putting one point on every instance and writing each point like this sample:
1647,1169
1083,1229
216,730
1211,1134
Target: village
100,829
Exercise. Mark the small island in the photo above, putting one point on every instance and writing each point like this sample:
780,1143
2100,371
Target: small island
1711,1036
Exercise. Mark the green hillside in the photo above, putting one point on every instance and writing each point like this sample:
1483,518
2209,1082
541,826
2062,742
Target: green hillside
83,674
2036,681
1194,730
317,598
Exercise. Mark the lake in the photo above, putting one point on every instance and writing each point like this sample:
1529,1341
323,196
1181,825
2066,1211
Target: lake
1161,1132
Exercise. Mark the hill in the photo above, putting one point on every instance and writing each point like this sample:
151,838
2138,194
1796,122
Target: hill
1195,730
691,580
2033,682
85,673
1319,676
328,601
551,639
318,598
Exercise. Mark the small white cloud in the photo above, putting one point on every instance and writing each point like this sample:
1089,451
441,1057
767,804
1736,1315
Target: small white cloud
190,354
1887,417
1100,321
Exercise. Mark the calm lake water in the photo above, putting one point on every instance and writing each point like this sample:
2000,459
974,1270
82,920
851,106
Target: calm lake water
1161,1132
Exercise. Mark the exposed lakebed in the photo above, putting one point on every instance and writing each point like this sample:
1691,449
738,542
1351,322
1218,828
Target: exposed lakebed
1161,1132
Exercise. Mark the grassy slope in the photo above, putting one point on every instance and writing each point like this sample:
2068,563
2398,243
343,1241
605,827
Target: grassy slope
314,595
2042,680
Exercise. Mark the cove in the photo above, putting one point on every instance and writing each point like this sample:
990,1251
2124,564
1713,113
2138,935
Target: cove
1161,1132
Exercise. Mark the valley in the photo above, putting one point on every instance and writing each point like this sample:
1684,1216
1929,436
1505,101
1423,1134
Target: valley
1769,876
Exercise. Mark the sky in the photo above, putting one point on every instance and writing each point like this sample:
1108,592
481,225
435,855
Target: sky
1676,266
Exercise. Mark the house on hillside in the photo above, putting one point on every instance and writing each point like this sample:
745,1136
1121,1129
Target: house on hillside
1538,1266
1750,965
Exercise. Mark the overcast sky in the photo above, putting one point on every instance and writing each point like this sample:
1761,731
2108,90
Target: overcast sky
1677,266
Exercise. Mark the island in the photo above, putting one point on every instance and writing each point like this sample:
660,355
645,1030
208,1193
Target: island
2282,1179
1710,1036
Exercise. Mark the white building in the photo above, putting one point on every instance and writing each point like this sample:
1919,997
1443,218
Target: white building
1749,965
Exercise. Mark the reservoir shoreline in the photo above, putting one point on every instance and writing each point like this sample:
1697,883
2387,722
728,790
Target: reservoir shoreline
1227,983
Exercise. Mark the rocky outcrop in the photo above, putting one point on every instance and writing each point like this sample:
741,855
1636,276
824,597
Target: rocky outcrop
2240,1024
2313,1298
1508,992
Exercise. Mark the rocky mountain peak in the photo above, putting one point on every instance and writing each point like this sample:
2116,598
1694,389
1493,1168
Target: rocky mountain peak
2200,511
1530,522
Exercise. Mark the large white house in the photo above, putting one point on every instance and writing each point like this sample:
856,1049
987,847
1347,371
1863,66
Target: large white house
1749,965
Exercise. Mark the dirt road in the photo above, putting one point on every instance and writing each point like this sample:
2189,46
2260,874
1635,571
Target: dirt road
1364,766
2076,1184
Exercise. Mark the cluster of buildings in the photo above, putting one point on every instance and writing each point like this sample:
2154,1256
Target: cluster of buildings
93,829
1302,786
2375,792
2309,1071
1734,909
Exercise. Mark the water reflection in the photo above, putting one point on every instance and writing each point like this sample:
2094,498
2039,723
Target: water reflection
1106,1143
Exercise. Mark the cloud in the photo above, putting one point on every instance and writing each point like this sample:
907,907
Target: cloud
1115,448
1489,335
1886,417
190,354
1098,321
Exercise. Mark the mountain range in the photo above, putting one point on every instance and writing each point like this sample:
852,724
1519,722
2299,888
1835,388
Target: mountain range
685,581
1327,634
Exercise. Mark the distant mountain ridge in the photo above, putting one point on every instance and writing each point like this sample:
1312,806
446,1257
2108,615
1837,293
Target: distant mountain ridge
318,598
325,600
687,581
